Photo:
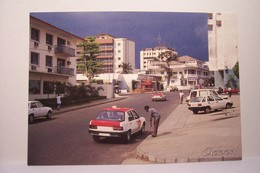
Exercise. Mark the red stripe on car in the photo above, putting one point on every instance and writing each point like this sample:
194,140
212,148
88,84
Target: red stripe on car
105,123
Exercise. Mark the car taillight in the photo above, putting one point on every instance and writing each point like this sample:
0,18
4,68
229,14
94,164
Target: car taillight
118,128
199,104
92,126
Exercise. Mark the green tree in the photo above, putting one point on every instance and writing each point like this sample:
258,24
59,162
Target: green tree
164,62
126,68
90,50
236,70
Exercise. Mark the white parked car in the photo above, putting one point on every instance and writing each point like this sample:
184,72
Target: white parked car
202,92
116,122
209,103
37,109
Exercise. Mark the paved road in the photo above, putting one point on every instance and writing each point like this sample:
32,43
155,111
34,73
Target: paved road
65,139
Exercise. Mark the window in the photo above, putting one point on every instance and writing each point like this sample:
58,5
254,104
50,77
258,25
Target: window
119,51
48,61
49,39
34,87
61,41
130,116
35,33
135,114
210,27
60,87
34,58
210,98
218,23
48,87
61,62
119,58
119,44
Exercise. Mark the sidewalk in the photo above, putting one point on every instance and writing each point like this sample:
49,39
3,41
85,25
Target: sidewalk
185,137
89,104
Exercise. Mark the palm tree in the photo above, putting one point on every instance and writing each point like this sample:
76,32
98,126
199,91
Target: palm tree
165,60
126,68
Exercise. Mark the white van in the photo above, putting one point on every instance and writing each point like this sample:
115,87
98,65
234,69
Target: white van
202,92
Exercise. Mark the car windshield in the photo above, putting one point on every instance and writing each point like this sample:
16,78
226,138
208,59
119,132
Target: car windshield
198,99
111,116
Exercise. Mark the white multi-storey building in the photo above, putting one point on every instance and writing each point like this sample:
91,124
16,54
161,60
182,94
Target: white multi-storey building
223,45
147,56
124,52
52,61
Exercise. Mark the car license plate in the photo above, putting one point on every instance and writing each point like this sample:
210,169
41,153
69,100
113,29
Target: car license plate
104,134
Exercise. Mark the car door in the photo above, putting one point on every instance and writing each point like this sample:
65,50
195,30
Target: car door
220,102
212,102
137,121
41,110
132,122
34,109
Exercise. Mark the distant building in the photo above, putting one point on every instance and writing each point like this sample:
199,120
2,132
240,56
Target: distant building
52,59
147,56
124,52
223,46
188,72
112,53
106,55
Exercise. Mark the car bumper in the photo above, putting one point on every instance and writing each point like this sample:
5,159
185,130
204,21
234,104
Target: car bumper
158,98
197,108
107,134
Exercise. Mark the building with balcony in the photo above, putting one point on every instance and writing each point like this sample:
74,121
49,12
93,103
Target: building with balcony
188,73
52,61
112,53
147,56
223,45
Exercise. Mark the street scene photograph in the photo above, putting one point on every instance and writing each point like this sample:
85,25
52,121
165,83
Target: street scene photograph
127,88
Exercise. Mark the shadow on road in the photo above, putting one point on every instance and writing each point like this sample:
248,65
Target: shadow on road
136,138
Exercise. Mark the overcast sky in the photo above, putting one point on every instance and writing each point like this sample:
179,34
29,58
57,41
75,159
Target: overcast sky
185,32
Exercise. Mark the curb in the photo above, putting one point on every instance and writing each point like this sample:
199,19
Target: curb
86,105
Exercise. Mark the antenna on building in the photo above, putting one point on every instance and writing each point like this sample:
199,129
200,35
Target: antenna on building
159,39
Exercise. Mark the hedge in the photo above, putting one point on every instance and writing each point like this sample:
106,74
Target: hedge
67,101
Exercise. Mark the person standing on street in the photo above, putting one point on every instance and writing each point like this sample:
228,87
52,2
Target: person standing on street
181,94
229,91
155,117
58,101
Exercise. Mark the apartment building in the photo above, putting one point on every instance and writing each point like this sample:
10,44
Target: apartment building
147,56
106,55
124,52
190,73
112,53
223,46
52,61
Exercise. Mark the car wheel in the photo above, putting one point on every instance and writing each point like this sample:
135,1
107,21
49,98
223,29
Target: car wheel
96,139
31,119
207,110
49,115
228,106
142,129
127,137
195,111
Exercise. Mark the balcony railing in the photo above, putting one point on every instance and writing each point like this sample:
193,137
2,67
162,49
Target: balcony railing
64,70
64,50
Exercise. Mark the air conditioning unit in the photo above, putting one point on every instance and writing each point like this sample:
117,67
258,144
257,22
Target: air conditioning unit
34,68
49,48
49,70
36,44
